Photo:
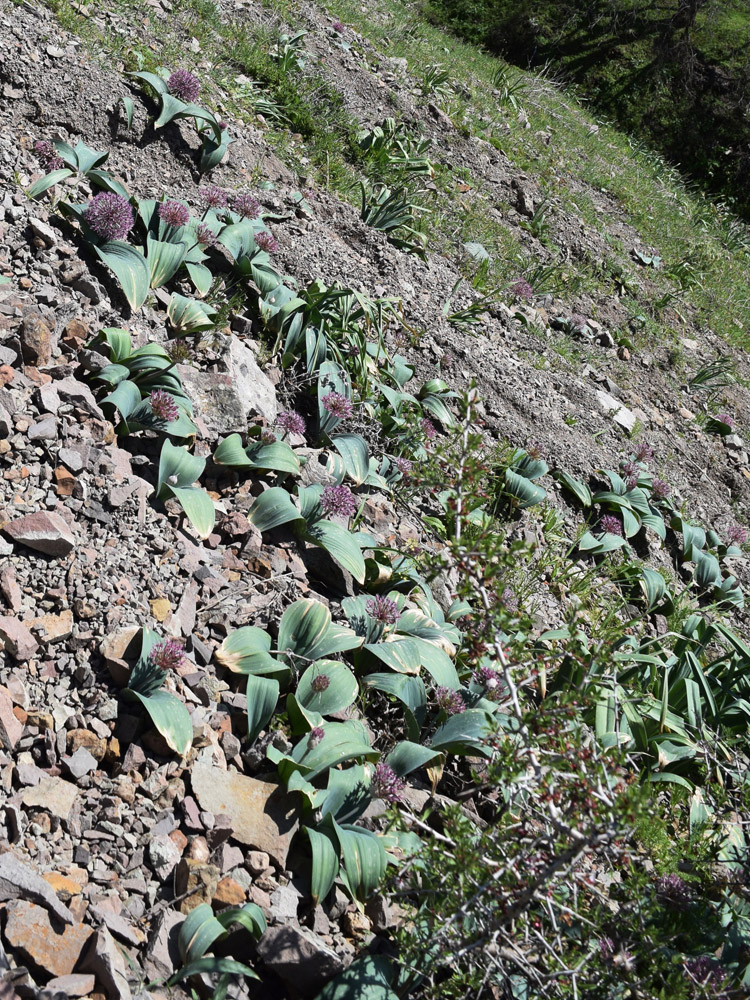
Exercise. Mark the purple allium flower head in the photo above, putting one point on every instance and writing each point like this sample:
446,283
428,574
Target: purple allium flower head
110,215
291,421
338,501
490,680
428,428
706,970
643,452
727,419
631,472
267,437
205,235
163,405
509,600
611,525
338,405
45,153
449,700
403,465
246,206
266,242
577,323
607,948
736,534
674,891
320,683
660,489
386,784
223,126
167,655
383,609
339,27
522,289
173,213
212,196
316,735
184,85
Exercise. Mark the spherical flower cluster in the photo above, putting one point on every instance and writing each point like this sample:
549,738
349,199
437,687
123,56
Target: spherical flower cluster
267,437
403,465
386,784
736,534
534,449
611,525
246,206
643,452
213,197
707,971
205,235
674,891
338,501
316,735
631,472
428,428
184,85
338,405
383,609
320,683
449,700
522,289
163,405
292,422
577,323
490,680
339,27
167,655
509,600
725,418
266,242
45,153
110,215
173,213
660,489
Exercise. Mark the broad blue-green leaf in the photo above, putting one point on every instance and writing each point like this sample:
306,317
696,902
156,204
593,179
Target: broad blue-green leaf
363,857
338,694
656,524
189,315
353,451
331,378
213,151
342,741
130,269
171,718
527,493
409,690
579,489
104,180
307,630
348,793
400,654
164,260
277,457
246,651
48,181
198,506
262,697
407,757
630,523
250,916
213,966
598,546
464,733
87,158
198,932
341,544
367,978
177,468
325,863
707,569
200,276
127,103
158,83
272,508
654,587
126,396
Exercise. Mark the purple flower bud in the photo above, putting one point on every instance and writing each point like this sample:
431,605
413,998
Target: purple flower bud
736,534
611,525
246,206
386,784
383,609
213,197
173,213
320,683
163,405
509,600
403,465
491,681
534,449
428,428
338,27
338,405
707,971
725,418
110,215
266,242
660,489
522,289
291,422
45,153
577,323
184,85
167,655
205,235
674,891
450,701
643,452
338,501
267,437
316,735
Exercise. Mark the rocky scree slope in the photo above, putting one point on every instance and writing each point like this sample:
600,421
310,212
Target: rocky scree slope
109,839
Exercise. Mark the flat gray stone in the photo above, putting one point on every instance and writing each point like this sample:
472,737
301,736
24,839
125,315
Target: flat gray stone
256,391
299,957
45,532
20,881
620,414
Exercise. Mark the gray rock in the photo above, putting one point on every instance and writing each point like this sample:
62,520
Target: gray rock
105,960
256,391
285,902
20,881
216,402
299,957
80,763
42,531
620,414
43,430
163,854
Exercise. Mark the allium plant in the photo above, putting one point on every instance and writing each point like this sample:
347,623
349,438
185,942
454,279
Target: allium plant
726,418
674,891
660,489
386,784
173,213
316,735
46,154
428,428
643,452
320,683
522,289
404,465
245,205
338,405
383,610
449,701
205,235
212,196
167,655
291,422
736,534
610,524
491,681
184,85
110,215
338,501
266,242
164,405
